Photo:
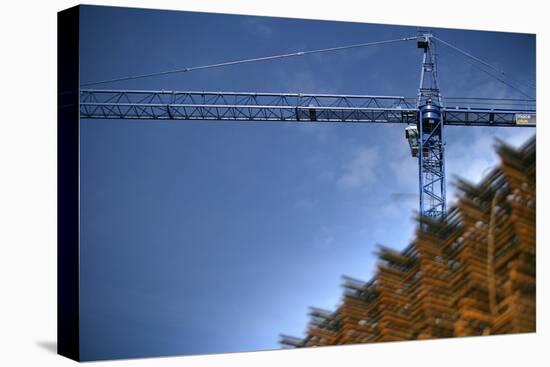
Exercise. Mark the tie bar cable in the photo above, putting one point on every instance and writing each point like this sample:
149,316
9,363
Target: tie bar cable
245,61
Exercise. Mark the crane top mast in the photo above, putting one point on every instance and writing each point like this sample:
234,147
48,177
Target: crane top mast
429,85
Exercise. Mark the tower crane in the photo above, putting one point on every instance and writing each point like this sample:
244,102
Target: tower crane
425,116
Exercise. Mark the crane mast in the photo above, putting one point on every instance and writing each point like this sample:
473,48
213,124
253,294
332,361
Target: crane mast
431,146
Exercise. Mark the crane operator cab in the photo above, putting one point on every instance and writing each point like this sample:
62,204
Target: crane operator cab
411,134
431,116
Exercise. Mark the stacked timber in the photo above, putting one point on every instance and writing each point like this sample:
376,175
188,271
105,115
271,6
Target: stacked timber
433,315
393,302
471,274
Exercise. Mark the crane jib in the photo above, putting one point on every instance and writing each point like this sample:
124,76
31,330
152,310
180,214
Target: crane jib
353,109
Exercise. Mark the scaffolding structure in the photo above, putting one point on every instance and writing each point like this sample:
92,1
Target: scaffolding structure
471,274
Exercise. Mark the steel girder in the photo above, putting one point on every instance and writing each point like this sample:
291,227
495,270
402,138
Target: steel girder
166,105
162,105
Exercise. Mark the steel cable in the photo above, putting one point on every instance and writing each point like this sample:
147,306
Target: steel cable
245,61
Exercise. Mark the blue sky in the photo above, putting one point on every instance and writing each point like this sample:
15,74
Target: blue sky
205,237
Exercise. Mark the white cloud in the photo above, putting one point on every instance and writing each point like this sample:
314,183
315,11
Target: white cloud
474,157
359,171
520,137
404,168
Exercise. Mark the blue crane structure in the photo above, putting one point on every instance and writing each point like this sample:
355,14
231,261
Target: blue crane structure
425,115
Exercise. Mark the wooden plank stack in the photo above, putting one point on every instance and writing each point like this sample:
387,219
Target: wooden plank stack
472,274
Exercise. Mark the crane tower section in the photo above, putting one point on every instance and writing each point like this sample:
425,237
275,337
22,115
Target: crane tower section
430,145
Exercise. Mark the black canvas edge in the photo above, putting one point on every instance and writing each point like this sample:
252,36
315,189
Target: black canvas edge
68,184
